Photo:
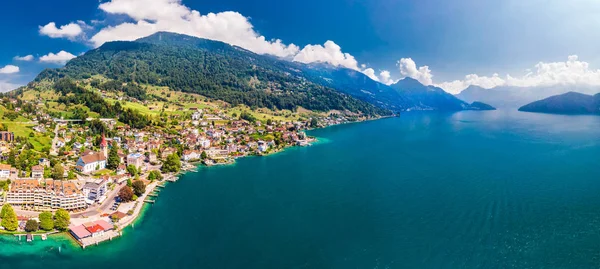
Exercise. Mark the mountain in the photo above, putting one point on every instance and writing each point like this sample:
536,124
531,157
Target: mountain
515,97
224,72
424,97
210,68
481,106
358,85
569,103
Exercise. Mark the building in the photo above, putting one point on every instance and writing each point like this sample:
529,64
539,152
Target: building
7,136
90,229
95,191
91,162
135,159
37,172
5,171
54,194
189,155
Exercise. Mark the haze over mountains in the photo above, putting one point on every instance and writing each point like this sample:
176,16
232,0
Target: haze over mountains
511,97
220,71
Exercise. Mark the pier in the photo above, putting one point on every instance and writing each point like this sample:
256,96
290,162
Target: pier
149,201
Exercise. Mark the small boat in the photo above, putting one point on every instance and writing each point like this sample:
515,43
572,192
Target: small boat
44,237
29,237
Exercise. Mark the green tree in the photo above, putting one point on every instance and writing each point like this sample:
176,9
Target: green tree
31,225
126,194
9,218
5,209
62,219
46,221
203,155
314,122
131,169
155,175
71,175
139,188
113,157
58,172
172,164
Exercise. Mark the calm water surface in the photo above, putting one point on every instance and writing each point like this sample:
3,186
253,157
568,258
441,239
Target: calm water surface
465,190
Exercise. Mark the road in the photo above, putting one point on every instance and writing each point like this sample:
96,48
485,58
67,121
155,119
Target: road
103,208
53,150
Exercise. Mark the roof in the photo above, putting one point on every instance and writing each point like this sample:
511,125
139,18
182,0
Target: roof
37,168
80,231
94,229
92,158
4,166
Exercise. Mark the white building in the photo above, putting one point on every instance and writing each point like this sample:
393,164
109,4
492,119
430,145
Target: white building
91,162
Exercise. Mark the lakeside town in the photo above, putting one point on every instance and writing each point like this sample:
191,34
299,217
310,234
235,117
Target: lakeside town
95,176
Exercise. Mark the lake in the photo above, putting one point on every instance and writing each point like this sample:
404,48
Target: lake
494,189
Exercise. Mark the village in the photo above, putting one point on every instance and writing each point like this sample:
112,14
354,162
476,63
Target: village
102,171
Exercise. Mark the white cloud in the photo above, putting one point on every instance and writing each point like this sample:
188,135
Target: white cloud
9,69
408,68
152,16
571,72
386,78
70,30
330,53
59,58
25,58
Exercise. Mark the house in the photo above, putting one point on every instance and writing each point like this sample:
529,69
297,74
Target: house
91,162
189,155
95,191
121,169
7,136
44,162
90,229
37,172
135,159
262,146
5,171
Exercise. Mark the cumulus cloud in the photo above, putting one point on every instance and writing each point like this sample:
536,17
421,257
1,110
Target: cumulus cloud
570,72
408,68
330,53
152,16
59,58
9,69
25,58
70,30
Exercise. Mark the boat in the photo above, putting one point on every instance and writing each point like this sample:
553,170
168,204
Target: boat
29,237
44,237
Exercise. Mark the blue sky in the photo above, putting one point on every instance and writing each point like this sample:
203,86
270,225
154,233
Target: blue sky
451,44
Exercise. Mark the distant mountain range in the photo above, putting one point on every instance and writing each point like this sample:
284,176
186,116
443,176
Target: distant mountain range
220,71
571,103
511,97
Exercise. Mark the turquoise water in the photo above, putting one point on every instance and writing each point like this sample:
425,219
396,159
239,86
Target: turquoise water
465,190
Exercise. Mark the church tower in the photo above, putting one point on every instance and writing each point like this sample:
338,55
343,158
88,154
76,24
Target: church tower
104,146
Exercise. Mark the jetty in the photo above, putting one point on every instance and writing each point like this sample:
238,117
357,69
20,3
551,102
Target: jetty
149,201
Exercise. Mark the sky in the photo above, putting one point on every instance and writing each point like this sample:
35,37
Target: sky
450,44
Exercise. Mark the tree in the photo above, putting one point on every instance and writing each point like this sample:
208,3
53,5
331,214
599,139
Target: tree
113,157
131,169
203,155
46,221
139,188
62,219
31,226
313,122
9,218
155,175
71,175
58,172
5,209
172,164
126,194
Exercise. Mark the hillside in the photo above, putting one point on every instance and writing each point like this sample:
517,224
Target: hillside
212,69
424,97
569,103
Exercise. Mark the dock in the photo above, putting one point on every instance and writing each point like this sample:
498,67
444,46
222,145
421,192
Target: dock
149,201
172,179
153,195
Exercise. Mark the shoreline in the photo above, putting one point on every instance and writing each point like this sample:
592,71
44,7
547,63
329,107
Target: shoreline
140,210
